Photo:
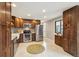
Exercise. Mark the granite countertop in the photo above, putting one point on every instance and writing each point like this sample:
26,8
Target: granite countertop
15,36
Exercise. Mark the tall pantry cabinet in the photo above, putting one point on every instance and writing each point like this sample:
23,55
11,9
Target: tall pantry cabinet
5,29
71,30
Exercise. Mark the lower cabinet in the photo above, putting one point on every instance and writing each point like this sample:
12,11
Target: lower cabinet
12,49
33,36
20,40
59,40
9,51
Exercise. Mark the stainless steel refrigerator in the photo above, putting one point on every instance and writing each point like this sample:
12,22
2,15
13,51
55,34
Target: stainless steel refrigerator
39,32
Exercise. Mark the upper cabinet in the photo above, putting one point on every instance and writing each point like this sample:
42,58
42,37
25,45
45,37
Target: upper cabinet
32,22
21,22
17,22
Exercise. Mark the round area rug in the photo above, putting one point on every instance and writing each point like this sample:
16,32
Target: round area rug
35,49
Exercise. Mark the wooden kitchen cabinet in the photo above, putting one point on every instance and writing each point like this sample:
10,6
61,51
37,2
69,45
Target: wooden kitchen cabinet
12,22
12,49
20,40
21,22
18,22
33,36
59,40
71,30
5,29
9,51
32,22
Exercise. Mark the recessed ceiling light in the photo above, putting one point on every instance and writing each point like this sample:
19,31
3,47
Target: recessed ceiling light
28,14
13,5
43,10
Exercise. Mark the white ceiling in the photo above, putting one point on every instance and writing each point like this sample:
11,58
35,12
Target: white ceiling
53,9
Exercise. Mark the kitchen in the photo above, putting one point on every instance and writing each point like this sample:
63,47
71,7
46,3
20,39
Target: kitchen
25,30
52,36
15,30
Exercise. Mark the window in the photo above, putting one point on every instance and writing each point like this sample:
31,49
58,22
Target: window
59,26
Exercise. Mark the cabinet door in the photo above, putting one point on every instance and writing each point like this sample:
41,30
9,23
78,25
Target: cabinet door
0,41
12,49
17,22
8,11
20,38
66,31
21,22
7,51
2,28
4,19
8,23
8,28
2,12
57,40
33,36
72,37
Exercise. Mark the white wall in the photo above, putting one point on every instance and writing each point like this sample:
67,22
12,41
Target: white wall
49,29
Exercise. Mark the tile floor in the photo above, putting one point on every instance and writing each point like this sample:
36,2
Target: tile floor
51,50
